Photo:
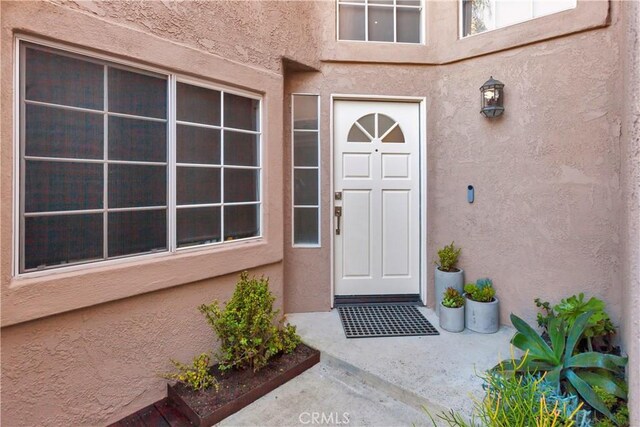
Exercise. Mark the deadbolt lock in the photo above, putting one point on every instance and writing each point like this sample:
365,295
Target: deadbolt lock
338,195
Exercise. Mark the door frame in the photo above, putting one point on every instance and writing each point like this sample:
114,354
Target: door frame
422,153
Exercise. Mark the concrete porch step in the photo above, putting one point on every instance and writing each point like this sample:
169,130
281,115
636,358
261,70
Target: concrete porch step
330,393
439,372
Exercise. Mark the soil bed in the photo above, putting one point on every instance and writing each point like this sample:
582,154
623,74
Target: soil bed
240,388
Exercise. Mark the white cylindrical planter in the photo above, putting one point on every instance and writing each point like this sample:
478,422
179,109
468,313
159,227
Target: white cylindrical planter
452,319
483,317
444,280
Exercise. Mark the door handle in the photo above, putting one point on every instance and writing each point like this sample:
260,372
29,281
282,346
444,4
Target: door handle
337,211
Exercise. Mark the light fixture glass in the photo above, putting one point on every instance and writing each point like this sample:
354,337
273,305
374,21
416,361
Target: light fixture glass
492,98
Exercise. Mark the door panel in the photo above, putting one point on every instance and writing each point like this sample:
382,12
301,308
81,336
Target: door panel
377,172
357,233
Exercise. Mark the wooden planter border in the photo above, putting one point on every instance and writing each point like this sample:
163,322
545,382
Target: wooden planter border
245,399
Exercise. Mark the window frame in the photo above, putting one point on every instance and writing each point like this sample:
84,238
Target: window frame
365,4
461,35
172,78
318,207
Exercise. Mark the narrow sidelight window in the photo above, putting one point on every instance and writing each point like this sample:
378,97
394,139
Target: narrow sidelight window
306,170
96,180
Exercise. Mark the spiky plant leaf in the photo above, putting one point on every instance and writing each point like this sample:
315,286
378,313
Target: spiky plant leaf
586,392
605,380
575,333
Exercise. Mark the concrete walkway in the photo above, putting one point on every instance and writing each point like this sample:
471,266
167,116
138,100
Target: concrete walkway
378,381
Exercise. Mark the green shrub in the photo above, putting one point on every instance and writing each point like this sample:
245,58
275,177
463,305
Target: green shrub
481,291
448,258
197,376
451,298
247,327
577,372
599,329
616,406
518,400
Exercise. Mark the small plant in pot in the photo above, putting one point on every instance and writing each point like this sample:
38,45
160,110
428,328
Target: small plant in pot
452,311
447,274
482,312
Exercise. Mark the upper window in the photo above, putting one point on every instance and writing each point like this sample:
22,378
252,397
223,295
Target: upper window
479,16
97,179
397,21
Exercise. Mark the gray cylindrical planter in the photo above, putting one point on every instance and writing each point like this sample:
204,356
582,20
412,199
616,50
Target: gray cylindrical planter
444,280
452,319
482,317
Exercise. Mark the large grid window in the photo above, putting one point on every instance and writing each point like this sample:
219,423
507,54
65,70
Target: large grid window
97,175
306,170
479,16
398,21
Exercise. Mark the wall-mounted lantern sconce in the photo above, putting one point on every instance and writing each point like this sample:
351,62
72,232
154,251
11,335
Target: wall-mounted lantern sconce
492,98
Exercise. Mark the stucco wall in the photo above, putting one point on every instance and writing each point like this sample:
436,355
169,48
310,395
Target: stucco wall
94,366
630,213
84,347
545,221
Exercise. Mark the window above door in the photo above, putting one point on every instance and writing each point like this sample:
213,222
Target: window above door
390,21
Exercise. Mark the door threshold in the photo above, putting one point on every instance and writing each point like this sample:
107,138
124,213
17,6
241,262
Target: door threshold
411,299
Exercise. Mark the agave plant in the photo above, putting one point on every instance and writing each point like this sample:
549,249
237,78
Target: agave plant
578,373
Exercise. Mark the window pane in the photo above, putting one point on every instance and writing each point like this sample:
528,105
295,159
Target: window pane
59,79
198,226
380,24
56,132
368,123
408,25
408,2
305,190
137,185
240,185
305,230
546,7
510,12
198,105
241,221
137,94
240,112
477,16
240,149
305,112
133,232
351,22
61,186
198,185
134,139
55,240
305,149
198,145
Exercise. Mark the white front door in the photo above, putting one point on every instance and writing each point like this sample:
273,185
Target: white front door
377,188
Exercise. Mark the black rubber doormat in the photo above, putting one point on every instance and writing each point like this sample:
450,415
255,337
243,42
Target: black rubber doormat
384,320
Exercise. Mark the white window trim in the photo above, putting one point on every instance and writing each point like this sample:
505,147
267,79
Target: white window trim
493,3
422,31
172,79
293,169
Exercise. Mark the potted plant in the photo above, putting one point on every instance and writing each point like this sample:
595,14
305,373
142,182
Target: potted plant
482,312
447,274
452,311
